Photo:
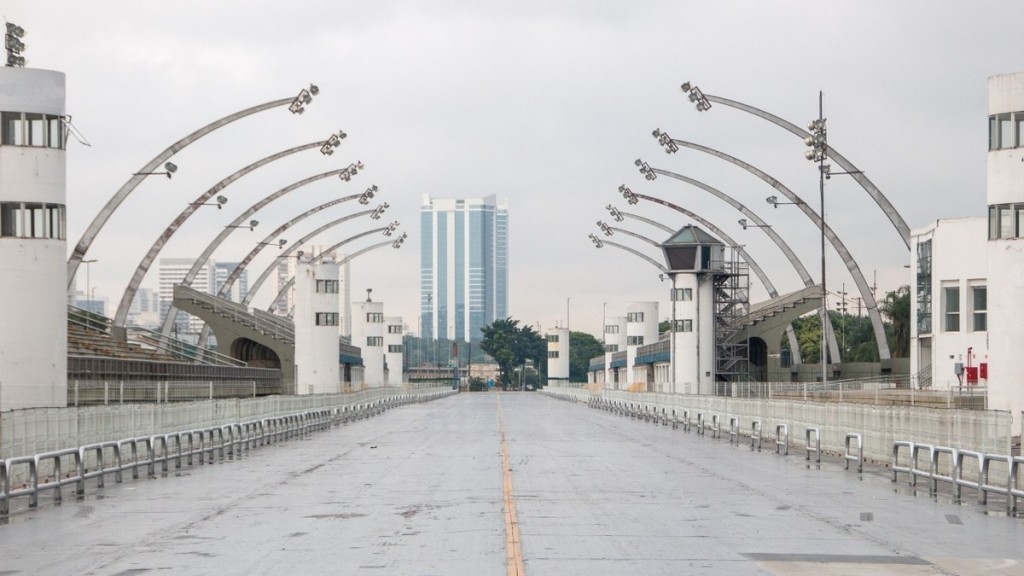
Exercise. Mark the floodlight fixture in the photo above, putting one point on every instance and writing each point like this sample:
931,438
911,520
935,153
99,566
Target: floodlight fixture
694,94
391,228
645,169
379,210
628,194
605,228
399,241
332,142
169,169
280,244
615,213
365,197
251,225
665,140
14,45
744,224
298,105
221,201
597,241
351,171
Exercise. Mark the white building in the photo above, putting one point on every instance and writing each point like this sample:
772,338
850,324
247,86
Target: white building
394,350
967,303
33,245
558,356
368,334
641,329
317,360
615,369
949,304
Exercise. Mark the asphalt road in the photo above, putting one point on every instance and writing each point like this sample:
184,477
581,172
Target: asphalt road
422,490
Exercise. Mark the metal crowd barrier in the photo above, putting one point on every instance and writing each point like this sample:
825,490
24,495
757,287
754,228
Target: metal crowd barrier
817,444
851,457
130,454
1012,488
755,435
782,439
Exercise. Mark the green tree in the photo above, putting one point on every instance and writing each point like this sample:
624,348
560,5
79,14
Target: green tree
511,345
896,308
582,347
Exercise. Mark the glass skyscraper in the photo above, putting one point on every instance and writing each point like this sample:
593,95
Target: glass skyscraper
463,266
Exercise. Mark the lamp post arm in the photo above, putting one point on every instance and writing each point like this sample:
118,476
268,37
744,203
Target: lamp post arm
638,236
97,224
857,174
659,225
121,316
634,252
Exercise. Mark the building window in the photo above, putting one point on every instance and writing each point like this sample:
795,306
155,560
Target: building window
326,318
552,353
394,328
28,129
327,286
374,317
684,325
553,338
924,287
1006,131
32,220
611,347
951,308
682,294
634,341
611,329
395,348
979,307
635,317
374,340
1005,221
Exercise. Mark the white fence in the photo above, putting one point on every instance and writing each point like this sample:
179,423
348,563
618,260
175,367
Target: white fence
984,431
39,430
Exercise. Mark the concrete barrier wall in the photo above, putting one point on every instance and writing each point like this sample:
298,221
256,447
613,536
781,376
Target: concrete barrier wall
986,431
38,430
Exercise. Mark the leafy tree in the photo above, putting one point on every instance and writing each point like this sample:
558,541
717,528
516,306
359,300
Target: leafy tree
896,308
582,347
511,346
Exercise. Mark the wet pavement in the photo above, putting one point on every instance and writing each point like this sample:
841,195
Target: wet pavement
421,490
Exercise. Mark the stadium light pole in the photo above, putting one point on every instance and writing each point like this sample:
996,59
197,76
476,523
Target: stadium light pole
296,106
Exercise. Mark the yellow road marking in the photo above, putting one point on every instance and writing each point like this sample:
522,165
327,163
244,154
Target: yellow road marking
513,550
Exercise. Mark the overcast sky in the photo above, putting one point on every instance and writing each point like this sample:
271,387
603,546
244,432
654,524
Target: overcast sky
543,103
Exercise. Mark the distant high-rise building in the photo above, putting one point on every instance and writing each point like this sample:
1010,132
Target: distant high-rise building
463,266
241,286
171,272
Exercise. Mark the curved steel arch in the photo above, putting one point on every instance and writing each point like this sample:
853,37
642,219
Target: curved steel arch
858,175
94,228
205,332
291,281
637,236
344,260
794,345
635,252
877,325
172,312
805,276
147,261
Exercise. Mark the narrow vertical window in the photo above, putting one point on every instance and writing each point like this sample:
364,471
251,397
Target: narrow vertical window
951,300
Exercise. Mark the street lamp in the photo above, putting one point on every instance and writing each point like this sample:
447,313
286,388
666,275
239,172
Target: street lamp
818,143
743,223
169,169
280,243
774,201
251,225
221,201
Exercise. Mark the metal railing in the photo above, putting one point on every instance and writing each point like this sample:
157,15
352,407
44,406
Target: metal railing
51,471
1006,482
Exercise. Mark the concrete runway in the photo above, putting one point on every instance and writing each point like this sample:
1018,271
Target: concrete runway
421,490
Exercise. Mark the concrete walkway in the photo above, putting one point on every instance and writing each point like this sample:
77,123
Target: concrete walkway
419,490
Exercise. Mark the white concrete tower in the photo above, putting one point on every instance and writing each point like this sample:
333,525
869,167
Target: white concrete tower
317,366
558,356
614,342
33,245
394,350
641,329
368,334
1005,243
691,254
